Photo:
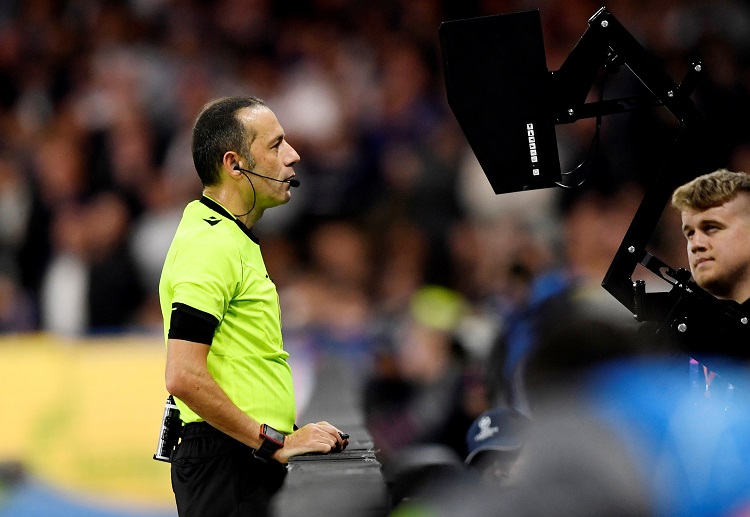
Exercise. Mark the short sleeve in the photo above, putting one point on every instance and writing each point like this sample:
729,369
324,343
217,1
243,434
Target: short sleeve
205,274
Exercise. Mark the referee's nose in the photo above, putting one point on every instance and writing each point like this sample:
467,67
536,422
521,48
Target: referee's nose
291,158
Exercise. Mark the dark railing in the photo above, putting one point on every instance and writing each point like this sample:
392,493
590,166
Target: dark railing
349,483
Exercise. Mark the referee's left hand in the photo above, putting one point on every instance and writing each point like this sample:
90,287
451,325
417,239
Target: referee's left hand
320,437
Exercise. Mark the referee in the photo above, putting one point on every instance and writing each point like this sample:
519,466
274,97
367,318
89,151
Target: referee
226,364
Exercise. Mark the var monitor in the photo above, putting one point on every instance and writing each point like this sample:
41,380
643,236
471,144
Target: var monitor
497,85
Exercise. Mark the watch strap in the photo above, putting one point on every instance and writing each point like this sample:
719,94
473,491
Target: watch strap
269,446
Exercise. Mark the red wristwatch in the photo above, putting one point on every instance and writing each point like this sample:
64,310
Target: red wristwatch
273,440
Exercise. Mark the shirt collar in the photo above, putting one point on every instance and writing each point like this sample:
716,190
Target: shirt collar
216,207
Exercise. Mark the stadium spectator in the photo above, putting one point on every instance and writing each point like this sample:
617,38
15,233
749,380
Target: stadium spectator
715,212
417,394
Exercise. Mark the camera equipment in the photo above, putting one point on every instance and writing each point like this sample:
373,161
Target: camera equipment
171,430
507,104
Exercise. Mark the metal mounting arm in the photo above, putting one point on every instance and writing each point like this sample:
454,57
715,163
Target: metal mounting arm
705,327
508,105
607,41
607,44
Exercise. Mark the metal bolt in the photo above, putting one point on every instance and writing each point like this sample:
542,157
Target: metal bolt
605,23
682,328
670,93
744,320
631,249
698,68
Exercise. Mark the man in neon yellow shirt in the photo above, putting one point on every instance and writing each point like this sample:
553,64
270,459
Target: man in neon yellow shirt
226,365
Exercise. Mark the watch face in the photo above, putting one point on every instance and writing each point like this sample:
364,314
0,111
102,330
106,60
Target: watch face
273,434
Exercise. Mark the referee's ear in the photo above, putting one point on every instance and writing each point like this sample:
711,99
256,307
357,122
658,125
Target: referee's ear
231,164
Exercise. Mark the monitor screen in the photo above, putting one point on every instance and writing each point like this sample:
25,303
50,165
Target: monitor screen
497,84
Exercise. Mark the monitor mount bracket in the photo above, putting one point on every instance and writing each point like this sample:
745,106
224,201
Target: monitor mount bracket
706,328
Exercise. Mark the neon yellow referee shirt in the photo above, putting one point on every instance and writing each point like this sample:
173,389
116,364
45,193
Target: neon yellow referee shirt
215,265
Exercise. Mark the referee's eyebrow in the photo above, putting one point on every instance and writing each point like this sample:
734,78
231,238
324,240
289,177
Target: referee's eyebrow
276,141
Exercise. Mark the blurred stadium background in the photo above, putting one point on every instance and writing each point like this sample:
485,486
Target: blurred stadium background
80,423
97,98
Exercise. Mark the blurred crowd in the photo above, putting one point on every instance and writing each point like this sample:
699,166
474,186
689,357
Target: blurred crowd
394,253
97,98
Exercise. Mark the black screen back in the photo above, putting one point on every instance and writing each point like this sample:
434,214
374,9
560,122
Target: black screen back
497,84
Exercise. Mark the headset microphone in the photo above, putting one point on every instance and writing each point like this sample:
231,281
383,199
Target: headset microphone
293,182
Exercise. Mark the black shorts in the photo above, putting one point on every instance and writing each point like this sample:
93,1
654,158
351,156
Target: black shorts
215,475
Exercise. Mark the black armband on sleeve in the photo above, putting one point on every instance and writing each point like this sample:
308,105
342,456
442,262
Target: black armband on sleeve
190,324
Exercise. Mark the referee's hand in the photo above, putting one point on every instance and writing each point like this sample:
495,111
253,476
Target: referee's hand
320,437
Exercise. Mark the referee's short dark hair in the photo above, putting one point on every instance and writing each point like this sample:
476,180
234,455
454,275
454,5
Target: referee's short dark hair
218,130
